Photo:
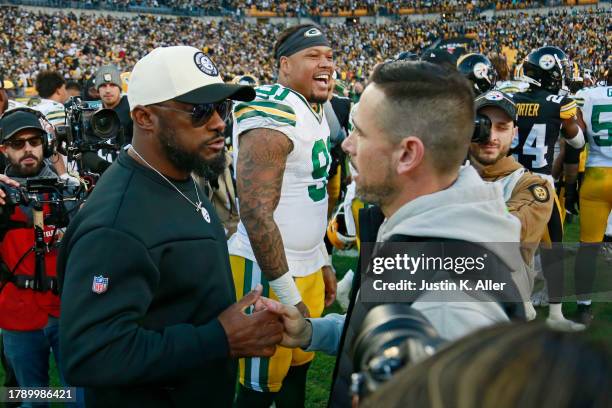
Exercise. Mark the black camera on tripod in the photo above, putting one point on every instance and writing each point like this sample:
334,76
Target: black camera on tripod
89,128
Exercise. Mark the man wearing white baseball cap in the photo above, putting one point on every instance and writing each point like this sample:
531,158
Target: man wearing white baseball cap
150,318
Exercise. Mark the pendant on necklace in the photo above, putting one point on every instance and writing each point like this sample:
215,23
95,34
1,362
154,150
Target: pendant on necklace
205,214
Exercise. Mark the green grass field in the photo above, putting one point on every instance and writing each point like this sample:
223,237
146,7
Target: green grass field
320,373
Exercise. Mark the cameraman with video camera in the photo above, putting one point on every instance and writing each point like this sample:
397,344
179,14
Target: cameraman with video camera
109,85
526,194
35,205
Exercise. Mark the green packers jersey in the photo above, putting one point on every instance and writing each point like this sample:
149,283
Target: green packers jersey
301,214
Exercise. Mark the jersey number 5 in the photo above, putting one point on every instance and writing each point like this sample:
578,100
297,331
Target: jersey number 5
598,124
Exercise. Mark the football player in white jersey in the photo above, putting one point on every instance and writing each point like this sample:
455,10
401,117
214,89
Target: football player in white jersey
51,88
596,190
281,150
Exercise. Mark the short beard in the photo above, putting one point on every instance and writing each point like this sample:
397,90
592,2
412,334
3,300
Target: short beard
213,168
315,99
374,195
489,162
189,161
26,171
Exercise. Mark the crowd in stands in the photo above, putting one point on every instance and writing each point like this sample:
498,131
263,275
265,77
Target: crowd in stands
76,46
388,7
304,8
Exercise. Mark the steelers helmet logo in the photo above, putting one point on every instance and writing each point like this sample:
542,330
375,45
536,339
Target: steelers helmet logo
313,32
494,96
205,64
547,61
480,70
540,193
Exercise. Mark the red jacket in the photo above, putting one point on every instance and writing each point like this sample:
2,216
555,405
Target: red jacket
26,309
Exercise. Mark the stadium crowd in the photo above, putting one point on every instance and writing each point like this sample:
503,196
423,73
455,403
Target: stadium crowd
297,7
371,7
78,45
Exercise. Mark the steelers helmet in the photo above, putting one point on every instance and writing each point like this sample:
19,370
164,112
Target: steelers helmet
547,68
337,231
479,70
405,56
247,79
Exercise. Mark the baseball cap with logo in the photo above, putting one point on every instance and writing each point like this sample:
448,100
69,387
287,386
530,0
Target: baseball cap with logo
181,73
499,100
108,74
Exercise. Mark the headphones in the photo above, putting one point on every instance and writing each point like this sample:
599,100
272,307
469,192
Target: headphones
48,137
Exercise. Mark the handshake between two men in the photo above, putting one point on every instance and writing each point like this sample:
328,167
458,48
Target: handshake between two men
270,323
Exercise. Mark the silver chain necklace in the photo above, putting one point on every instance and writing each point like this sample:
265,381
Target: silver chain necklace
198,205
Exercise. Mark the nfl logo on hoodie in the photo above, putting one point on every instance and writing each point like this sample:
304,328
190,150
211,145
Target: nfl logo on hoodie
100,284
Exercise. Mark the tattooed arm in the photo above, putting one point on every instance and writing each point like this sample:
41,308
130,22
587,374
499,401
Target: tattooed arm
259,177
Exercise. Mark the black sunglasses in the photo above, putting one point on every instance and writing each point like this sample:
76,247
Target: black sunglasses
201,113
19,144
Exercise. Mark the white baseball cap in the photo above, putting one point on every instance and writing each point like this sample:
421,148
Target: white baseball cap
181,73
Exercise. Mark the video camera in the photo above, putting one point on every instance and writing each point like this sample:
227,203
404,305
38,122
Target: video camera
36,192
482,129
30,195
391,337
89,128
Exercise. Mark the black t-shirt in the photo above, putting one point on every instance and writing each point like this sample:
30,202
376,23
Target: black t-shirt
540,114
152,338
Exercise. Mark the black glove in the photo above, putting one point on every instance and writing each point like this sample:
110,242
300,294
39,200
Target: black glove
571,198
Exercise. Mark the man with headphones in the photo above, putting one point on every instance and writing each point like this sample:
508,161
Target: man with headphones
29,301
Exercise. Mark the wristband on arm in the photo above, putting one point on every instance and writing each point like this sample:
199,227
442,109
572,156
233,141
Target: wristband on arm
577,142
286,290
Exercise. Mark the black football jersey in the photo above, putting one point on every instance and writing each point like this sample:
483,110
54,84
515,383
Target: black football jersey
540,114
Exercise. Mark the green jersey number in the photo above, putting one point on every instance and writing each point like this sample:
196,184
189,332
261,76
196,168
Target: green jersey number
273,91
598,125
320,162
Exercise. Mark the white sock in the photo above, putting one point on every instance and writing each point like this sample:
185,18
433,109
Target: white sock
530,312
555,312
584,302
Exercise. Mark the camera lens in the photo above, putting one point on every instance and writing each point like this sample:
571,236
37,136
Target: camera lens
105,124
482,129
380,346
